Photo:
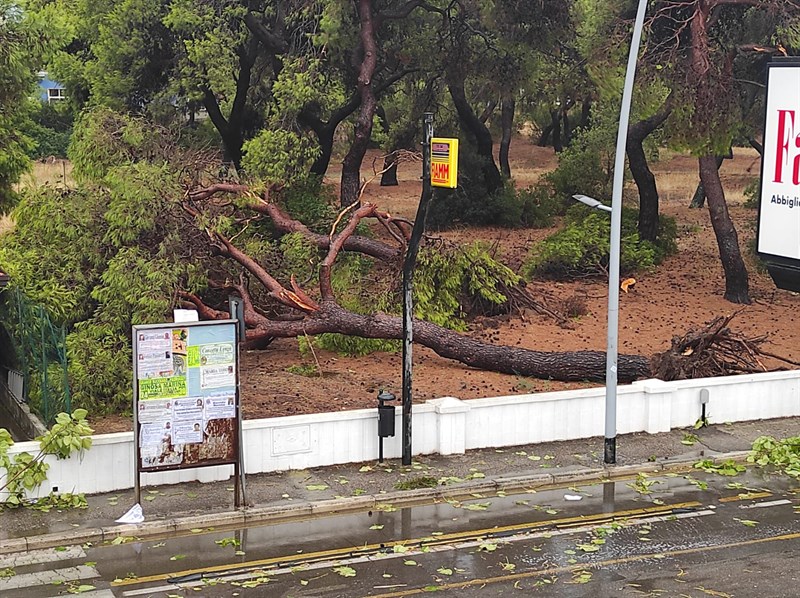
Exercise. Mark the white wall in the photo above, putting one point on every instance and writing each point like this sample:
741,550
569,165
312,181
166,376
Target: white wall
446,426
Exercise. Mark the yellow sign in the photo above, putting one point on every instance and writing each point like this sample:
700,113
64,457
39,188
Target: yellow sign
444,162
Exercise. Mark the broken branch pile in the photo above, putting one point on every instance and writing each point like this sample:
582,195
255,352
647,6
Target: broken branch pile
712,351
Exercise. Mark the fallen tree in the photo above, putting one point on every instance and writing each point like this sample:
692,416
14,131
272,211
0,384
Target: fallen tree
302,314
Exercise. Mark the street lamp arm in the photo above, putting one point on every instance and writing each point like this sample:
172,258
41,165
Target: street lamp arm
592,202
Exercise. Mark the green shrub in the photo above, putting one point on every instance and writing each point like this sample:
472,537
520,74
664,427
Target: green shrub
470,202
311,202
581,248
539,205
451,283
751,194
587,165
533,207
50,127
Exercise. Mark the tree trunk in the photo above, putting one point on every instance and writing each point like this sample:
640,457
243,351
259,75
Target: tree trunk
646,184
472,125
307,316
231,129
545,136
586,113
699,197
754,143
351,165
642,175
323,160
389,171
325,131
555,119
507,121
564,366
736,280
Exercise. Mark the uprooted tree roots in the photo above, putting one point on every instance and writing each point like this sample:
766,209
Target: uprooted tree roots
713,351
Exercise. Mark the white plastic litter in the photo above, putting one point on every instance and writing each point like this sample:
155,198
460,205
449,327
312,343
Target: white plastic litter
573,497
134,515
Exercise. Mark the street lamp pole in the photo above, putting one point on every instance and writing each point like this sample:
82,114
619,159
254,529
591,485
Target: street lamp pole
612,350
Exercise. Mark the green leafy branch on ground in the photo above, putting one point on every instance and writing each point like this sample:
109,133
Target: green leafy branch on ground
782,454
25,472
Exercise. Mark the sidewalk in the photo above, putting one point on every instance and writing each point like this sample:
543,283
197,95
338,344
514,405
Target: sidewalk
362,486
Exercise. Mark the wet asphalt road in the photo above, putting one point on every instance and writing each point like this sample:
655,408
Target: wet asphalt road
678,535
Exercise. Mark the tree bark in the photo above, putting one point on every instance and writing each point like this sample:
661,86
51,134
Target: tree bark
642,175
545,136
231,129
507,122
351,165
737,288
571,366
699,197
325,131
567,134
586,113
555,119
389,171
473,125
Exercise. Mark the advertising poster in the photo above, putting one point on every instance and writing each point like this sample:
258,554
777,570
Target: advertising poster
185,397
779,210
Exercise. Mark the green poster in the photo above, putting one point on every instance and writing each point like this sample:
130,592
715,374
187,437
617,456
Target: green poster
162,388
194,356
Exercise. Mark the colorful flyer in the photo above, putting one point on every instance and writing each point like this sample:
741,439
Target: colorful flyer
162,388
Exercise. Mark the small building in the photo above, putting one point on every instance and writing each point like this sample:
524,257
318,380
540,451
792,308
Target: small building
49,90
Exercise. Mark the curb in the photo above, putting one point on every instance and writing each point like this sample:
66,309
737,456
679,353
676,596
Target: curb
306,510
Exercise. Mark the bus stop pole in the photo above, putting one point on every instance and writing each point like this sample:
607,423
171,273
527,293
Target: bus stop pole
408,275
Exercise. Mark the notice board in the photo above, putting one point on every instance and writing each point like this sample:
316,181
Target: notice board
186,400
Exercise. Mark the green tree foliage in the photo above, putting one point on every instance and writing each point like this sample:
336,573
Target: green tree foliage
113,250
50,128
17,63
581,247
454,283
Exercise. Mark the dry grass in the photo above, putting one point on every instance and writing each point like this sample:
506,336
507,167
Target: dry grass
677,178
56,173
6,223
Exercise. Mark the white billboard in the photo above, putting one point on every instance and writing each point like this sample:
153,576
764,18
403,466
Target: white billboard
779,214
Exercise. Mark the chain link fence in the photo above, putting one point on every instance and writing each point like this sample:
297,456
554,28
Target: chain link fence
41,355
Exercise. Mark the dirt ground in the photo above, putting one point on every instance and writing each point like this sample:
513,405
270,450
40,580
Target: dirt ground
684,292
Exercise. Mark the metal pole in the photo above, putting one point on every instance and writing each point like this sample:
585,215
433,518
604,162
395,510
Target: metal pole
137,481
408,275
610,445
236,311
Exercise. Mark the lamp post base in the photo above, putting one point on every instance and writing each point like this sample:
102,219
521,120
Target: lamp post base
610,451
